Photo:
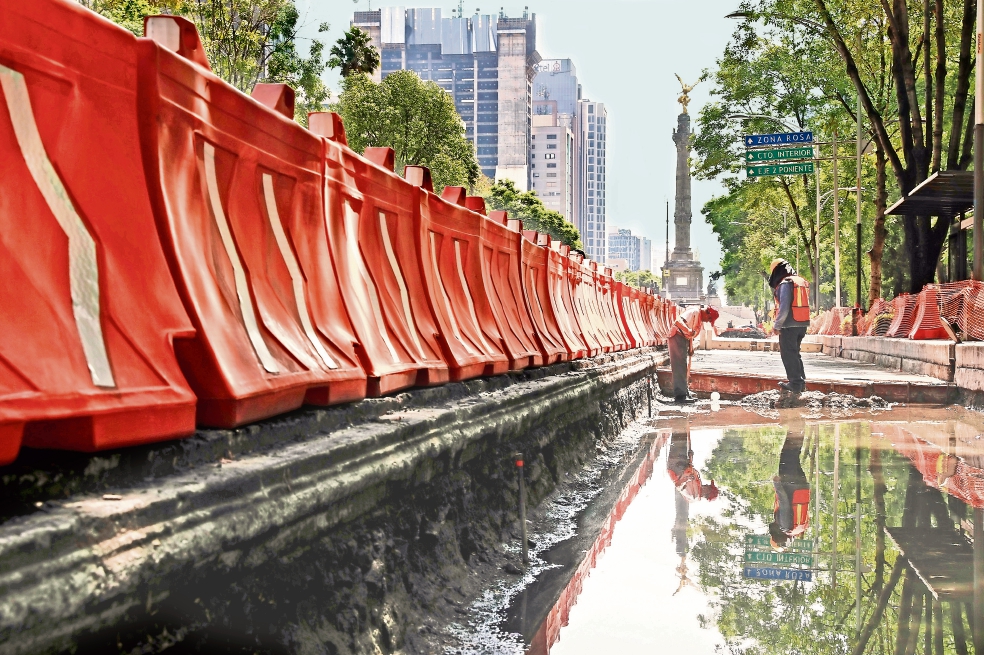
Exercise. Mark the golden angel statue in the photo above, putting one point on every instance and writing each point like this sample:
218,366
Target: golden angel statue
684,98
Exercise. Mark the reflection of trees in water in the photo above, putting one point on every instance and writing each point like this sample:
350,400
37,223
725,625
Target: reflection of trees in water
899,616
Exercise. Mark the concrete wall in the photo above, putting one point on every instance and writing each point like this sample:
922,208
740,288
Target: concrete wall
933,358
969,370
351,529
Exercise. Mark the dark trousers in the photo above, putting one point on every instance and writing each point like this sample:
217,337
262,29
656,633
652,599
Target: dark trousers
789,349
679,355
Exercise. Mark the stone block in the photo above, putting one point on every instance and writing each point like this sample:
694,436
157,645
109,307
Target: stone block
970,355
971,379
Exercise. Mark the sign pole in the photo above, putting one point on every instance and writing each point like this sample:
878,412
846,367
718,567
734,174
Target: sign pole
837,238
858,303
816,282
979,149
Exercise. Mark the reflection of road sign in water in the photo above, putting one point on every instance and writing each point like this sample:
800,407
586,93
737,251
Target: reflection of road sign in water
778,154
763,540
765,557
769,573
783,139
800,168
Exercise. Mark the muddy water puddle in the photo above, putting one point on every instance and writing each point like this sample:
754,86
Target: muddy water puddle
809,532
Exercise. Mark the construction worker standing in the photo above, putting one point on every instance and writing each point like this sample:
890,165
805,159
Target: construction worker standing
792,295
685,329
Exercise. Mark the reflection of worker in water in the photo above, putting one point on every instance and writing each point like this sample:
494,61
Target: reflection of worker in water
688,488
791,510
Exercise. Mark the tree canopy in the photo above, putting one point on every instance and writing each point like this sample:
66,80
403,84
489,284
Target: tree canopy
354,53
912,73
247,41
527,207
415,118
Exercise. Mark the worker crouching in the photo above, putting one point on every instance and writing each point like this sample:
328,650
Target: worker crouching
792,295
685,329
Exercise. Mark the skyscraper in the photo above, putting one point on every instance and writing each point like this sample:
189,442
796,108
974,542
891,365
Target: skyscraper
646,255
552,165
485,62
589,177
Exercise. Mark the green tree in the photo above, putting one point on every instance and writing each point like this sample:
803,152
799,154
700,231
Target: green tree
638,279
912,72
527,207
247,41
415,118
130,13
354,53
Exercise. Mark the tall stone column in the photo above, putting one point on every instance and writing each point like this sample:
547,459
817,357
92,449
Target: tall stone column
682,214
684,276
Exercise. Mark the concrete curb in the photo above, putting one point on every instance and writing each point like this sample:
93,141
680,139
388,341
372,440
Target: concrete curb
733,386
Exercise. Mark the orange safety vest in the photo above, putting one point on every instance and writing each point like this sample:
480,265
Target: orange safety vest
801,511
800,310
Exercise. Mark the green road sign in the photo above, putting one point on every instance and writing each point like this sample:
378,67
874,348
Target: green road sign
798,168
778,154
763,540
760,557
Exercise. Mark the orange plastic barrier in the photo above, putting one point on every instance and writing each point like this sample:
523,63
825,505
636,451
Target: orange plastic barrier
926,323
448,239
371,236
562,297
89,313
500,260
905,310
534,263
613,311
628,303
229,177
575,293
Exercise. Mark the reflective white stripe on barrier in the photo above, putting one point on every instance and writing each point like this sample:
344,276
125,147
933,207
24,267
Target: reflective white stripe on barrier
355,259
83,267
464,287
242,287
296,279
398,274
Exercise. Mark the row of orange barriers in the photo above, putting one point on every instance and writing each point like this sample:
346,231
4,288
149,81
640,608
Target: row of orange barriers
176,253
928,314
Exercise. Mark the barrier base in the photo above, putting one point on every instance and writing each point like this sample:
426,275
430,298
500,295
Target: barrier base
520,363
337,392
129,427
231,413
431,377
496,368
468,372
10,441
385,384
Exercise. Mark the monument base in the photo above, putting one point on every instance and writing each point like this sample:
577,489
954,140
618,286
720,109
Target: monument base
684,281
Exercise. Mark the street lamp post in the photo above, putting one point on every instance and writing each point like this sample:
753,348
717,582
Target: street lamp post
979,149
837,238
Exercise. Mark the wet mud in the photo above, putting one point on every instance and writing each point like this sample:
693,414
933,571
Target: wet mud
425,570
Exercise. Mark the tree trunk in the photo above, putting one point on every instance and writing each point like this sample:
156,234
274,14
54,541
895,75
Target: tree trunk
878,241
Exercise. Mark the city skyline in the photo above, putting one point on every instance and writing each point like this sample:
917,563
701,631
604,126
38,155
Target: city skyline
639,91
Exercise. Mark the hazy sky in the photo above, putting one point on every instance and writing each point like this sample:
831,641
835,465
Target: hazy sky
626,52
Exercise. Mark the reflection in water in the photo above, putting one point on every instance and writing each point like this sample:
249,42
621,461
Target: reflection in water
898,523
687,488
791,510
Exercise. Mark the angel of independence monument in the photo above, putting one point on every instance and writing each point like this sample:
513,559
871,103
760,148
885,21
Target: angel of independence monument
682,274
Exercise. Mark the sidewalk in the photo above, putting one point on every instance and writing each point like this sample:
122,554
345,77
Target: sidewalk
735,374
819,367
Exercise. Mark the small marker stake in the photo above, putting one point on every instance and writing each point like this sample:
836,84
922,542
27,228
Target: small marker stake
518,458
